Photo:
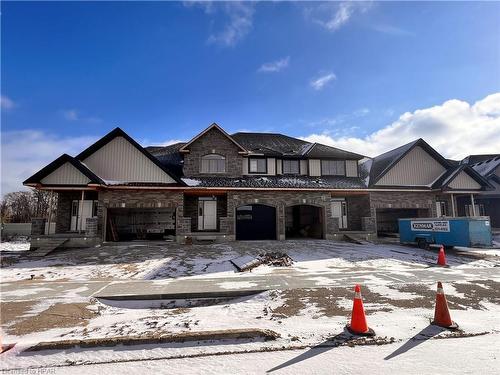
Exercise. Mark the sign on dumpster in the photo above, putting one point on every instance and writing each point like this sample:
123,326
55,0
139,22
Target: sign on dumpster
431,225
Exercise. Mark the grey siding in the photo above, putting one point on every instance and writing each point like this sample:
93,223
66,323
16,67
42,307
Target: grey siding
66,174
314,167
464,182
121,161
417,168
351,168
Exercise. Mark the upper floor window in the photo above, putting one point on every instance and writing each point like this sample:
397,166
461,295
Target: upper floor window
332,168
291,167
213,163
257,165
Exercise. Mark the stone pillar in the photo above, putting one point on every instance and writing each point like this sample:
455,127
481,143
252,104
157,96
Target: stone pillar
91,226
368,224
38,226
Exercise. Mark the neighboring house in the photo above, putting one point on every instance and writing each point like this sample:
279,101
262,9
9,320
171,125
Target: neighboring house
414,180
487,203
246,186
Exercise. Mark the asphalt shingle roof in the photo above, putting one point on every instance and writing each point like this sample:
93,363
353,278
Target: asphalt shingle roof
278,182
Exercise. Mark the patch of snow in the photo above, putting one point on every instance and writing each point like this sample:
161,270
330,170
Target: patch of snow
191,181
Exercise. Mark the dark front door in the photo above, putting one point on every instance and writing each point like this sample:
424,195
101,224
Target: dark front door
256,222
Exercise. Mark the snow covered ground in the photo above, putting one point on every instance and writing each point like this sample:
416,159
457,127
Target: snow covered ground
470,355
164,260
304,317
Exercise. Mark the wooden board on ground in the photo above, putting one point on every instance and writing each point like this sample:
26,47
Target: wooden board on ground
246,262
47,247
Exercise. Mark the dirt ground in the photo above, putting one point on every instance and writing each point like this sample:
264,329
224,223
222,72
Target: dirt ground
327,300
16,318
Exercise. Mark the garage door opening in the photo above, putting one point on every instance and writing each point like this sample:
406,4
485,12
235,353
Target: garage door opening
303,221
387,218
256,222
127,224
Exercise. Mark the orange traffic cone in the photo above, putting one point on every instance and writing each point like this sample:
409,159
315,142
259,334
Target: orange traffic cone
441,257
358,324
441,313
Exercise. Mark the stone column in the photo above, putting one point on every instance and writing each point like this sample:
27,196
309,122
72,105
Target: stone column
38,226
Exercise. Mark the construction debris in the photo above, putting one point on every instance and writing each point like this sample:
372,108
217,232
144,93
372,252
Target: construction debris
275,258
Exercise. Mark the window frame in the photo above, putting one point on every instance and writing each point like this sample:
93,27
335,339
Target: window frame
257,171
290,160
207,157
341,162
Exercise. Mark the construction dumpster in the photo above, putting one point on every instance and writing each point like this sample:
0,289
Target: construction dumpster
447,231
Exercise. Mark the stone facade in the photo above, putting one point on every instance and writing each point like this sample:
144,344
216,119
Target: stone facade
358,206
63,212
423,204
213,142
131,198
280,200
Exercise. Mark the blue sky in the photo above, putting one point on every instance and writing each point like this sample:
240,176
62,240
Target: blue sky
333,72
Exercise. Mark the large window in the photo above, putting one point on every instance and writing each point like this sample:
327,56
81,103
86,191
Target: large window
257,165
332,168
291,167
213,163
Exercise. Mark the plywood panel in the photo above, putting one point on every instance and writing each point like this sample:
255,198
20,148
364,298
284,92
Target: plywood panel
314,167
303,167
271,166
351,168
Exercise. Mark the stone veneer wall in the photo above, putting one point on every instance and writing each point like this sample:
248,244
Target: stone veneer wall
63,212
142,199
213,141
393,199
279,200
358,206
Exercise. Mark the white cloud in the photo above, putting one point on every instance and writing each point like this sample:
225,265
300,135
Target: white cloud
454,128
275,66
25,152
70,114
6,103
74,115
320,82
333,15
240,15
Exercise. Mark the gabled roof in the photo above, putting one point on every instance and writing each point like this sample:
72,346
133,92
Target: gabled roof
65,158
383,163
488,166
272,144
185,148
117,132
474,159
444,181
280,145
318,150
169,156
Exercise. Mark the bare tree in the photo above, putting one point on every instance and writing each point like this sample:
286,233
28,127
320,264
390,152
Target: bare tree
22,206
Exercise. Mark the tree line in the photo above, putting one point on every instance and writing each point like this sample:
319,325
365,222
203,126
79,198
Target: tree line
22,206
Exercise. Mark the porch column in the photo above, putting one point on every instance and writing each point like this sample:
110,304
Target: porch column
81,212
50,211
453,212
473,205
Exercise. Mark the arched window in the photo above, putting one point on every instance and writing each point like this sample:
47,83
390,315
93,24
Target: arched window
213,163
